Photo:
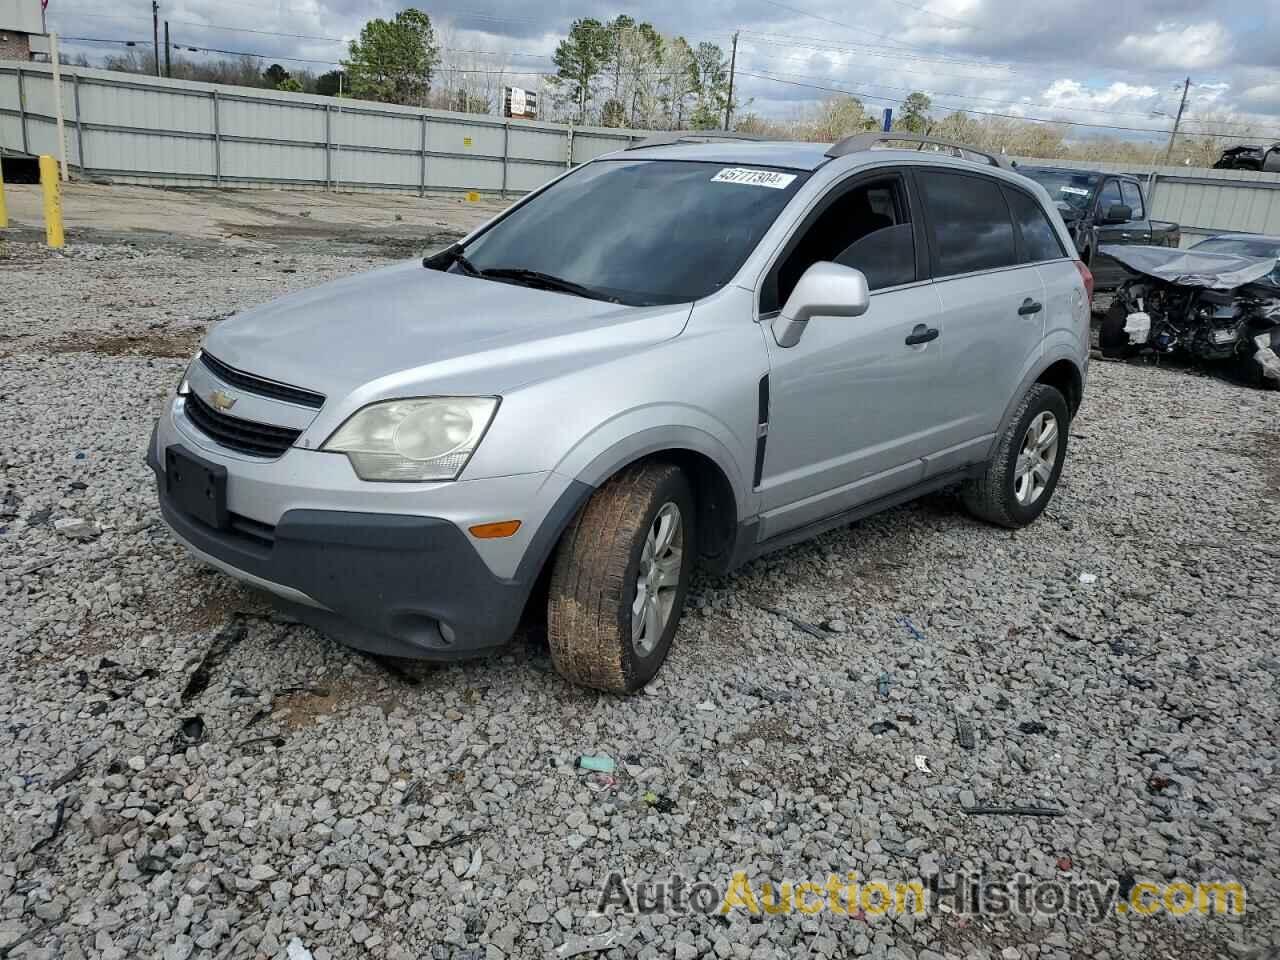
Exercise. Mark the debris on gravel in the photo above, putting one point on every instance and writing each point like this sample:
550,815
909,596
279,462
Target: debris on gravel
187,775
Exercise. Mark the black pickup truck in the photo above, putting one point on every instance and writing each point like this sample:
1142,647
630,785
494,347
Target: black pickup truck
1103,208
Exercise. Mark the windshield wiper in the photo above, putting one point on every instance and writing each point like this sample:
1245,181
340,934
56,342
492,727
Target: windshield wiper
545,281
448,257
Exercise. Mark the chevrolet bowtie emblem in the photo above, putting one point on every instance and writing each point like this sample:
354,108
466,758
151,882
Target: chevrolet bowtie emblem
221,400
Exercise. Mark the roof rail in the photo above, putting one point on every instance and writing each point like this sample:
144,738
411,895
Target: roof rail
865,141
691,136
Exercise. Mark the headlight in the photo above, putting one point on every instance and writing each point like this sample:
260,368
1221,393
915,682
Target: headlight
431,438
184,387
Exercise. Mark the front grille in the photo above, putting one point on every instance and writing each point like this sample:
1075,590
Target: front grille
261,386
245,436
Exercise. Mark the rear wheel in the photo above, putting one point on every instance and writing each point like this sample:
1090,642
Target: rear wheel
620,577
1020,478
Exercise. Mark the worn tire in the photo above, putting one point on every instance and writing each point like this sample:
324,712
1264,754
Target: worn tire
991,496
595,575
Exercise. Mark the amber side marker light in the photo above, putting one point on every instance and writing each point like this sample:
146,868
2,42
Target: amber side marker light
495,531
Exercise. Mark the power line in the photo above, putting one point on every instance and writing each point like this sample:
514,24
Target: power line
273,56
847,26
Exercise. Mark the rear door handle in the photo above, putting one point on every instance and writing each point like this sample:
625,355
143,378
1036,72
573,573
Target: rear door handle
922,334
1029,307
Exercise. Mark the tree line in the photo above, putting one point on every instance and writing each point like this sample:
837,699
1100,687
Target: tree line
625,73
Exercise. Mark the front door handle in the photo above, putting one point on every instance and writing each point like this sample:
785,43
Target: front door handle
922,334
1029,307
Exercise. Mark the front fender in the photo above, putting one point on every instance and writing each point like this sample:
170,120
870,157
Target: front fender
643,432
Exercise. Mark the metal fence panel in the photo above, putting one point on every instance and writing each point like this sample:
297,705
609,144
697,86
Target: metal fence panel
270,121
375,130
268,161
141,108
532,143
356,166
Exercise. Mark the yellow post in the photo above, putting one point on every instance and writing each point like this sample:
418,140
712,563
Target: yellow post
4,212
52,201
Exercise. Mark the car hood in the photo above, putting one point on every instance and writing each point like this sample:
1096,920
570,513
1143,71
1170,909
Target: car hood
404,325
1191,268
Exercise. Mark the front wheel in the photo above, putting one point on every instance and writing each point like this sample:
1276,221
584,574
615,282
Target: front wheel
620,577
1020,478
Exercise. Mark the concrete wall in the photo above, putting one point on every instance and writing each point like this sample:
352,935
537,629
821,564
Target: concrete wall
170,132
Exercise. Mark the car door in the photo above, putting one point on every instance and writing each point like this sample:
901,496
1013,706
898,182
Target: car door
1107,272
1065,312
992,322
849,409
1139,226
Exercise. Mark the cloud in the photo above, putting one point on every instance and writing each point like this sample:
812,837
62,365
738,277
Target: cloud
1192,46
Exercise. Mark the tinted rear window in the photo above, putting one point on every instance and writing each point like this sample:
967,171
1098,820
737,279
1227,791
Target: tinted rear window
642,231
969,221
1039,239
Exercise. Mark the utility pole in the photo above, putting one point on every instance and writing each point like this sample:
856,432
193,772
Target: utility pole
1186,88
733,67
155,32
168,60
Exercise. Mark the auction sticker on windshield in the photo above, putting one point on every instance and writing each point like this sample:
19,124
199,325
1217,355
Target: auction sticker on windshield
1078,191
754,178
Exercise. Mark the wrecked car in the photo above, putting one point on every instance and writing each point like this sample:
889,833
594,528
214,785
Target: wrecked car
1250,156
1209,304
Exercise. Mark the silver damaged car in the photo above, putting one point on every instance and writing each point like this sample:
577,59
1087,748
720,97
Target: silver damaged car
693,351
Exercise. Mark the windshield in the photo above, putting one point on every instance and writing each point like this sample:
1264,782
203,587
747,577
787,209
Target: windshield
1069,188
639,232
1241,247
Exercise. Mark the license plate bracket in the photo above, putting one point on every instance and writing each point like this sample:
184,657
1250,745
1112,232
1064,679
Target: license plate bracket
196,486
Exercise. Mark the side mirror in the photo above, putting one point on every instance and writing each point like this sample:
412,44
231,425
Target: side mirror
1118,213
824,290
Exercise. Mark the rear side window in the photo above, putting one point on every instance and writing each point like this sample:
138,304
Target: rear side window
1133,199
969,220
1039,239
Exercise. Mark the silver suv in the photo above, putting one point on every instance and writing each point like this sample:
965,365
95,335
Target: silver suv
682,352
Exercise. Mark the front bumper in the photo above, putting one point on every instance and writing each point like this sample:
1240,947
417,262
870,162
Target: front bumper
392,583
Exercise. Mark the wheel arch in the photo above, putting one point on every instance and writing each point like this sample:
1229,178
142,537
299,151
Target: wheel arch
1060,370
704,460
1067,379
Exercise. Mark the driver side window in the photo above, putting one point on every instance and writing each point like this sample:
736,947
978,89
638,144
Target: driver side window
866,226
1109,197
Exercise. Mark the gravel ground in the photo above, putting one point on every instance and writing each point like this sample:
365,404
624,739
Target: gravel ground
295,789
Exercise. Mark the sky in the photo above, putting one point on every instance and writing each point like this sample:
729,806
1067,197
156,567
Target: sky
1090,62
